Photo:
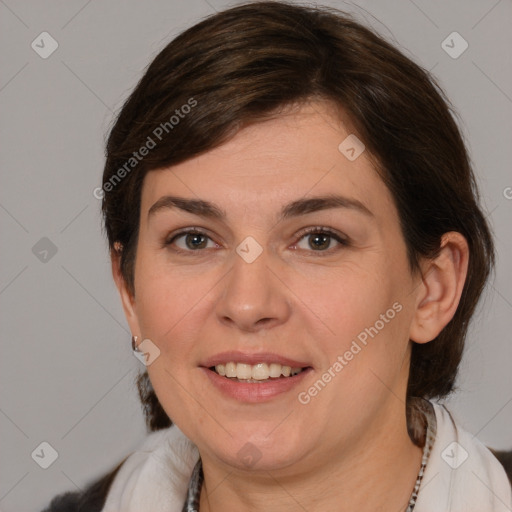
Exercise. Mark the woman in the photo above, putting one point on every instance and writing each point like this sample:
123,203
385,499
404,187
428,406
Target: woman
296,238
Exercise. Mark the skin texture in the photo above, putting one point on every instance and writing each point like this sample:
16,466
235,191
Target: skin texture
348,448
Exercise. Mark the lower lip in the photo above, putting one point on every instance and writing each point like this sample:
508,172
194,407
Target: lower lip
258,391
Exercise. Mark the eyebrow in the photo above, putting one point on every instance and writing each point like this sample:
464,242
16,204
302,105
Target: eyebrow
294,209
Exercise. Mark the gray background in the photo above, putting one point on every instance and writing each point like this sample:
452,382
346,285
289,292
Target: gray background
67,370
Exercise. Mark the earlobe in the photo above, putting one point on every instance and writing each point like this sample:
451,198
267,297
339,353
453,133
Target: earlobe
439,294
127,298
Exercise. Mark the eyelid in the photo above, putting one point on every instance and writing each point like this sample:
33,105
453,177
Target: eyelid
323,229
184,231
342,239
169,239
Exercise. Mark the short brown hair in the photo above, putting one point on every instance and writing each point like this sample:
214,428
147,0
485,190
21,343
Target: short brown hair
243,65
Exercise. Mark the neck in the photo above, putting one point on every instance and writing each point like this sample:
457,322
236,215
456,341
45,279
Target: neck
376,473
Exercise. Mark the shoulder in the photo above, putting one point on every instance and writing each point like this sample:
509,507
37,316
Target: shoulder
91,499
156,475
164,454
466,444
505,458
455,441
461,473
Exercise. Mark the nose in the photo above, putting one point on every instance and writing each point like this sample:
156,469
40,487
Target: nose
253,298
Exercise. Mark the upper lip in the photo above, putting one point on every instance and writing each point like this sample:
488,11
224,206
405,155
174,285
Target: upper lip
254,358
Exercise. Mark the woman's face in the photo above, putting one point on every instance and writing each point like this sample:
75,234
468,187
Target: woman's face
254,287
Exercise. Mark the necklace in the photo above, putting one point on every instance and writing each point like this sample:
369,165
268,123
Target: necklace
423,428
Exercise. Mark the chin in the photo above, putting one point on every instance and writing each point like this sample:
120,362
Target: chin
257,451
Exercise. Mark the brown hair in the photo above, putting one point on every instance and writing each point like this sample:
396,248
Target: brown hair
243,65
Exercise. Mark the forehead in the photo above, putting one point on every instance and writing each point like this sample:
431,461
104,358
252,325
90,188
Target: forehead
305,152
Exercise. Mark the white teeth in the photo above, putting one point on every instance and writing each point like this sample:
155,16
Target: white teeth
230,369
243,371
275,370
260,371
256,372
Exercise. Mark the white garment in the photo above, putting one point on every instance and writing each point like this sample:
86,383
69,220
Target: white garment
454,483
155,478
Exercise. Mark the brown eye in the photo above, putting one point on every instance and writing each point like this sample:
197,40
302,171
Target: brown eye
320,240
195,241
190,241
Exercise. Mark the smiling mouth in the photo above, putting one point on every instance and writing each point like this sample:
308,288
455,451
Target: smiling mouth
255,373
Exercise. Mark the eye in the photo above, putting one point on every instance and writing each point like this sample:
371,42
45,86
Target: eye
319,239
190,240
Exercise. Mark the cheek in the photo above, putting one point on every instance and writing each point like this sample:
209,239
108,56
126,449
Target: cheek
172,305
159,299
167,314
363,334
349,299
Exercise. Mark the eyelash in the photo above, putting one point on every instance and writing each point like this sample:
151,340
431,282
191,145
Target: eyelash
316,230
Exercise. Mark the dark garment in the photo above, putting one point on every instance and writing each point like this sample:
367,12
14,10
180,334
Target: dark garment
194,489
506,461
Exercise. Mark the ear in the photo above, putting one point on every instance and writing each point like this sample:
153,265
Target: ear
439,293
127,298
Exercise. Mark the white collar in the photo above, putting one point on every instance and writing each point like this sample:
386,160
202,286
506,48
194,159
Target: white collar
155,478
462,475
